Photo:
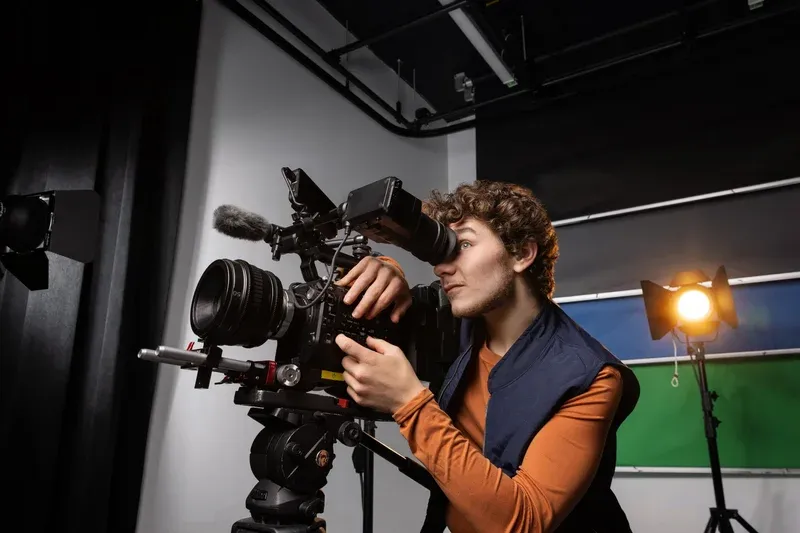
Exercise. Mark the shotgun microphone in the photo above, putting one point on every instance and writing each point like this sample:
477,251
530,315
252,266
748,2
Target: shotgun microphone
241,224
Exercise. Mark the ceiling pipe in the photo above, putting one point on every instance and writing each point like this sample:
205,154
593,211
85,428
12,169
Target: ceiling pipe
415,129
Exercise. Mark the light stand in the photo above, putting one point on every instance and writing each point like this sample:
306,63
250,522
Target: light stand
720,515
697,310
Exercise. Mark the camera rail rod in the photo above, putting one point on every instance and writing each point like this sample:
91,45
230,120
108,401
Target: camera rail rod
175,356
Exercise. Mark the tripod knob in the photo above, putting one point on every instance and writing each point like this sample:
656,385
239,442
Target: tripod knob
295,450
350,433
713,395
312,507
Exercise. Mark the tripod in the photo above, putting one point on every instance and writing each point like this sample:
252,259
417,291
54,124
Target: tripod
363,461
721,516
293,453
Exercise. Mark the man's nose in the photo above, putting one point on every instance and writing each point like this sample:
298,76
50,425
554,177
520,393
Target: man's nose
443,269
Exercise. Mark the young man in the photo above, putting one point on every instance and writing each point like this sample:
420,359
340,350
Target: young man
522,437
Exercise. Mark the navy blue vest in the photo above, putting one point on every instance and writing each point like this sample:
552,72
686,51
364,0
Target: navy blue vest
552,361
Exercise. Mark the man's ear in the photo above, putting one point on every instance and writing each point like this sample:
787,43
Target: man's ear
525,257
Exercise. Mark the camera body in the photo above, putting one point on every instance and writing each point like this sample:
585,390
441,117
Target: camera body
236,303
309,342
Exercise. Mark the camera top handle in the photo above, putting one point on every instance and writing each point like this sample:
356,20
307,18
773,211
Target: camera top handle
316,219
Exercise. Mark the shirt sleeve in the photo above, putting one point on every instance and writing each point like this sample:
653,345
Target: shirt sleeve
557,469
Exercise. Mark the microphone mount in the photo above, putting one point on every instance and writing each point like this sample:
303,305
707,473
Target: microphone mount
305,240
317,221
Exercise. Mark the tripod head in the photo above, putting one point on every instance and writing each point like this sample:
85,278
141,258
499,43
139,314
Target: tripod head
291,458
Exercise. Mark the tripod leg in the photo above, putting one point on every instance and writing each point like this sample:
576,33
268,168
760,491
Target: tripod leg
369,482
743,522
725,524
711,525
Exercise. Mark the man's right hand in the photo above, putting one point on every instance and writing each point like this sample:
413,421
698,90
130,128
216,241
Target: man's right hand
382,284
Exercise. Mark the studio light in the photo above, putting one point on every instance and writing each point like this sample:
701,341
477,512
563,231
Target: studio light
63,222
695,305
689,304
481,44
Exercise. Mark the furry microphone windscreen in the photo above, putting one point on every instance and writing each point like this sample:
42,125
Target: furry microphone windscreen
240,224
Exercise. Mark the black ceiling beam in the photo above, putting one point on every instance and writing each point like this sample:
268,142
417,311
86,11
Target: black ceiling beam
338,52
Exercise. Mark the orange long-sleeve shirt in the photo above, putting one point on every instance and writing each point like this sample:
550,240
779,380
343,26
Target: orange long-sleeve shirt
556,471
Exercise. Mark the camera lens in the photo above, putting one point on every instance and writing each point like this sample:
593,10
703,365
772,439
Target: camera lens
236,303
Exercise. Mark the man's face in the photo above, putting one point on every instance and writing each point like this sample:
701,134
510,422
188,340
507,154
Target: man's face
480,278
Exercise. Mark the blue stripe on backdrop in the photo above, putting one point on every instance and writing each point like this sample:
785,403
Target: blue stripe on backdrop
769,319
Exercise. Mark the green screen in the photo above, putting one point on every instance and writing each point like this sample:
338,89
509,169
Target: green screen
758,407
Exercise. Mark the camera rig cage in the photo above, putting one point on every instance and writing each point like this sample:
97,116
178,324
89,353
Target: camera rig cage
300,397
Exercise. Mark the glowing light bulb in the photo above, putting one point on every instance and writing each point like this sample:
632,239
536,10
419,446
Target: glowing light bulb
694,305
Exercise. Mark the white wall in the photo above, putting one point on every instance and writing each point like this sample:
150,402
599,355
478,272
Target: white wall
665,504
255,111
661,503
461,165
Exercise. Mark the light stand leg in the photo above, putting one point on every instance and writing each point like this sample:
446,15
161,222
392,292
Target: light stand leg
720,515
736,516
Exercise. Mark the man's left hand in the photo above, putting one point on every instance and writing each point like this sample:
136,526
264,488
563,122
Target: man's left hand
379,375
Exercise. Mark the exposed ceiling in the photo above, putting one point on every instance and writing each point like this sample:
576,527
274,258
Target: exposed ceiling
568,44
438,50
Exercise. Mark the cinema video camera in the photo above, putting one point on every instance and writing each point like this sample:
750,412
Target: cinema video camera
62,222
300,398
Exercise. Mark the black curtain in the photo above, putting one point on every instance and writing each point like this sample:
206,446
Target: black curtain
98,96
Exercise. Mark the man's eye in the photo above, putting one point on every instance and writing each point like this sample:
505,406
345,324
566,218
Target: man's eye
464,244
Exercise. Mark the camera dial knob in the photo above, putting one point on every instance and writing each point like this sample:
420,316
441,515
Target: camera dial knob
288,375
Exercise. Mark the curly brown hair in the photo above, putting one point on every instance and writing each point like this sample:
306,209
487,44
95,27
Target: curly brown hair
515,215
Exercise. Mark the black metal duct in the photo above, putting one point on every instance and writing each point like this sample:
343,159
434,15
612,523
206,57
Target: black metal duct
415,129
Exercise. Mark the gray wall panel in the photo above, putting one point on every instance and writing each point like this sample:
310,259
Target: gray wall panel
751,234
